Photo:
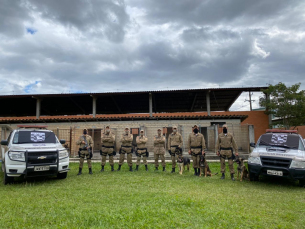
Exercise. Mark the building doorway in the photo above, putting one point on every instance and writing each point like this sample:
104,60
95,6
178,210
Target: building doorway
96,135
204,132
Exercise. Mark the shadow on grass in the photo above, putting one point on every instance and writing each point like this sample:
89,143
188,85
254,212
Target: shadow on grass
276,181
32,180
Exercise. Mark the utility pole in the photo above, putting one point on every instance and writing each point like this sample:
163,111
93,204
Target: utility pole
250,100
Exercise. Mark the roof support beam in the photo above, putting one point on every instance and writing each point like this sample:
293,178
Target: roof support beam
82,110
38,106
94,98
194,101
115,103
155,105
150,105
208,102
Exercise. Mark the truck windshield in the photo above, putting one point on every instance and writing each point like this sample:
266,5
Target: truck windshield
284,140
24,137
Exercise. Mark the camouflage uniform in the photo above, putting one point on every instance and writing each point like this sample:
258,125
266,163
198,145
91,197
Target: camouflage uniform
84,153
141,150
107,140
126,148
196,145
225,143
174,141
159,150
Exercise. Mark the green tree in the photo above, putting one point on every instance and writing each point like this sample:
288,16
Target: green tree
285,103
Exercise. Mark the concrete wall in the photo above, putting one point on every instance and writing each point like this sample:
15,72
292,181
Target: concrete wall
63,130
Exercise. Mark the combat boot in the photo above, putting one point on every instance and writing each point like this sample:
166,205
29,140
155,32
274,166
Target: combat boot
102,170
137,168
222,176
198,171
164,169
90,170
173,170
119,168
156,168
232,177
130,168
112,169
146,168
79,171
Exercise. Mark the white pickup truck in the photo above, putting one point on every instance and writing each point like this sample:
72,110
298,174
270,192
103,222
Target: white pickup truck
278,153
32,151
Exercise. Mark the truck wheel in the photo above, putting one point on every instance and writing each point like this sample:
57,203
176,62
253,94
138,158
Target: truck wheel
302,183
253,177
7,179
62,175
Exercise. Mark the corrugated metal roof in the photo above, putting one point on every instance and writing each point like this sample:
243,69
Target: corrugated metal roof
134,92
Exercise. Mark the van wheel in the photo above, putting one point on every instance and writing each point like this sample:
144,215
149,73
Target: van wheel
302,183
253,177
7,179
62,175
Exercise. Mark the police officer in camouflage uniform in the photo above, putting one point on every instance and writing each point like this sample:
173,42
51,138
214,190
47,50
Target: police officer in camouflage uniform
159,149
224,149
196,145
175,142
126,148
107,140
141,150
85,150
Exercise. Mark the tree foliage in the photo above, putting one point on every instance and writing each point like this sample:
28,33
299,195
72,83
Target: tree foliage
287,104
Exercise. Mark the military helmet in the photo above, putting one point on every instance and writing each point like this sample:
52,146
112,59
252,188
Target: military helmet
175,127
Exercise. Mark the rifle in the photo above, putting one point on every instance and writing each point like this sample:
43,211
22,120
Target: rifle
86,147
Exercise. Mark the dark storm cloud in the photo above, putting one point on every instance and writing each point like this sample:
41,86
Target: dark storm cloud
97,17
212,12
12,16
98,45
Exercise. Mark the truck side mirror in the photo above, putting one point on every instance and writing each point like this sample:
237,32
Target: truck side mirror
4,143
252,144
62,141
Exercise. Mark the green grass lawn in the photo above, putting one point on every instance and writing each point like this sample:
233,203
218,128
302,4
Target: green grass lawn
150,200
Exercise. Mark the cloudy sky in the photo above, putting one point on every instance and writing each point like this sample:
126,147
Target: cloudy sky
133,45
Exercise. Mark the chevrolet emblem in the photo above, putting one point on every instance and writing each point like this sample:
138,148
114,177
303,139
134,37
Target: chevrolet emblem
42,157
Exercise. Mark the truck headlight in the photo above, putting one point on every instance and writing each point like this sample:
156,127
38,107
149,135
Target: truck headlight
63,154
16,156
254,160
297,164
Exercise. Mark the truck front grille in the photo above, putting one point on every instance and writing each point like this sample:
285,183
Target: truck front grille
276,162
35,158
